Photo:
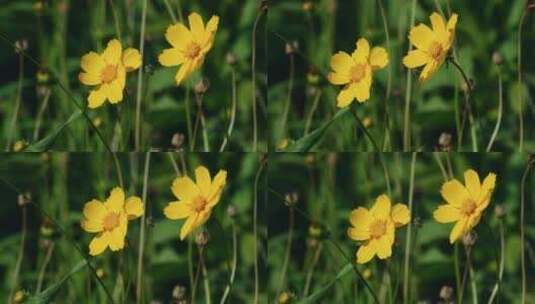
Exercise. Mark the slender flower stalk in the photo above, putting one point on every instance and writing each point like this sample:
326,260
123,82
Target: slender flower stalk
42,271
115,20
263,164
310,273
232,112
408,88
386,137
408,241
520,84
206,280
310,115
263,10
140,77
40,114
501,266
16,109
18,264
500,112
288,103
530,164
141,249
284,270
226,293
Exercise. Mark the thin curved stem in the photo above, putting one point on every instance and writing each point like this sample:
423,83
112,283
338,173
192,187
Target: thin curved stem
520,86
232,112
288,103
226,293
310,115
406,268
291,222
14,118
501,266
500,112
311,269
263,163
263,10
407,114
386,137
42,271
140,77
20,255
141,249
531,162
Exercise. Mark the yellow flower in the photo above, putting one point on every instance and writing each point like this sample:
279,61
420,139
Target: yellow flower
355,71
195,200
376,228
432,45
107,71
110,220
464,203
189,46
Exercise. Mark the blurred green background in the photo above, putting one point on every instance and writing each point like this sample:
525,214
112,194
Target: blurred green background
58,33
61,184
330,185
323,27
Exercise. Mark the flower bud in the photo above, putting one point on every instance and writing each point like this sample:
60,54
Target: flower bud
202,86
497,58
179,292
230,58
202,238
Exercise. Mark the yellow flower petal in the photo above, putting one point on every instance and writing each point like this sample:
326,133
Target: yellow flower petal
89,78
188,226
112,53
115,201
447,214
430,68
98,244
439,26
487,187
454,193
362,52
378,58
96,98
473,185
341,62
177,210
196,26
184,188
400,215
92,63
358,234
361,90
416,58
338,78
94,210
91,226
450,27
131,59
217,186
178,35
116,236
381,208
114,90
366,252
183,72
203,180
458,230
346,96
421,36
383,247
134,207
171,57
360,218
209,31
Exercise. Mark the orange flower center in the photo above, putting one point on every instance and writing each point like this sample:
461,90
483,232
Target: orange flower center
358,72
377,229
199,204
108,73
468,207
192,50
111,221
435,50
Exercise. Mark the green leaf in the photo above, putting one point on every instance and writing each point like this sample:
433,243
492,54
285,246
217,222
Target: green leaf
321,291
47,295
45,143
307,142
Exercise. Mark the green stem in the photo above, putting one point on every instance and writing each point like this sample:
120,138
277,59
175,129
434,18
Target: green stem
232,112
406,269
500,111
501,266
406,120
141,249
531,162
311,269
115,20
263,9
18,264
40,114
310,115
140,77
206,281
286,110
263,163
14,118
457,273
226,293
42,271
284,271
170,10
386,137
520,86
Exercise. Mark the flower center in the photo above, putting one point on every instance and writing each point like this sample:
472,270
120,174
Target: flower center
108,73
358,72
111,221
435,50
199,204
377,229
192,50
468,207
